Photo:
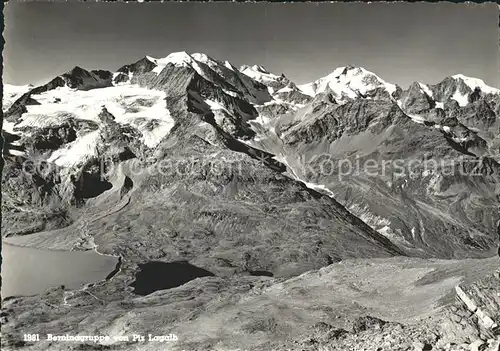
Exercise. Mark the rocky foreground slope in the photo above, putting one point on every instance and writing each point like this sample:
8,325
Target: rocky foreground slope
240,193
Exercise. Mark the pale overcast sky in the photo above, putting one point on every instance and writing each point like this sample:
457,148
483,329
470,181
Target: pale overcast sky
401,42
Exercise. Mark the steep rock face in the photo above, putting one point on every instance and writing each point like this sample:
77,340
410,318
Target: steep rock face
252,90
214,218
144,65
120,78
233,111
19,106
11,144
81,79
334,121
366,144
415,99
479,115
53,137
451,88
472,103
33,196
174,80
474,317
292,94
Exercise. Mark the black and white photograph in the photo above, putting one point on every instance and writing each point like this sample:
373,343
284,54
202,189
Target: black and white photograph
250,176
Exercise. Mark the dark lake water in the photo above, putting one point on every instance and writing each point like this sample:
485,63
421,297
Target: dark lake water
157,275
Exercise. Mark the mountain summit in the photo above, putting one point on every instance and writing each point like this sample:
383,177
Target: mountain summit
349,82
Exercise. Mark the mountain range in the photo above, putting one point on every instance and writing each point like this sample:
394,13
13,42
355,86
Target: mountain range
255,180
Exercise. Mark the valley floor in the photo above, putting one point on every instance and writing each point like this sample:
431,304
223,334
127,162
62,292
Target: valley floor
259,313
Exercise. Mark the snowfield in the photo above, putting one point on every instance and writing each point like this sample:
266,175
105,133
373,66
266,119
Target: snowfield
127,103
11,93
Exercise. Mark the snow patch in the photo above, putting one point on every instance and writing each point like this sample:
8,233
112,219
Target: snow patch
415,118
230,93
319,188
78,152
153,136
229,65
446,129
460,139
202,58
284,90
462,99
425,89
8,127
434,185
293,105
374,221
307,89
214,105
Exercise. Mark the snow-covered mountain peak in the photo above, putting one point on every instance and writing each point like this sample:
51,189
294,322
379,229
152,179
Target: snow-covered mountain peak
458,87
350,81
259,73
260,69
214,64
180,58
200,62
77,70
201,57
82,79
474,83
